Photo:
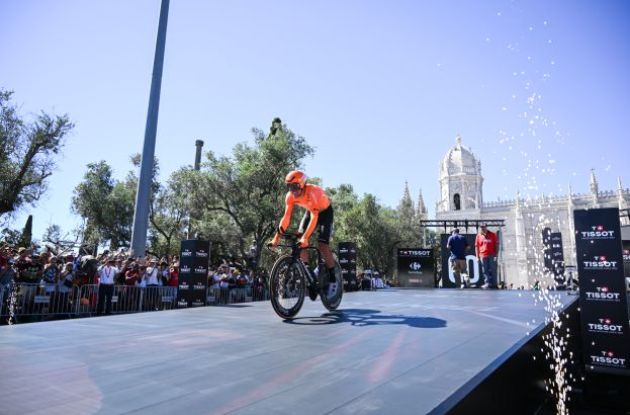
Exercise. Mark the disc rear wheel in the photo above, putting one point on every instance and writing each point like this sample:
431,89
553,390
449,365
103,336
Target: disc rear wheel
331,302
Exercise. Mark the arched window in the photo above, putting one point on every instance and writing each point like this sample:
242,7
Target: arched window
457,202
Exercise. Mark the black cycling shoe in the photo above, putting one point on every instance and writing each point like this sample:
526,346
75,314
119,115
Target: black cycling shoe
312,293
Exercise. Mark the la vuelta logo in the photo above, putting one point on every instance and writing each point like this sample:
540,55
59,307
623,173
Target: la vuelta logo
598,232
607,358
605,325
600,262
603,294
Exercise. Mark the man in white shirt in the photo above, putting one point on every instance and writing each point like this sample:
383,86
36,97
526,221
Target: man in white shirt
107,274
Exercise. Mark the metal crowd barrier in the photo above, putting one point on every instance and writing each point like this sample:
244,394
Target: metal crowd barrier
30,299
223,296
129,299
36,299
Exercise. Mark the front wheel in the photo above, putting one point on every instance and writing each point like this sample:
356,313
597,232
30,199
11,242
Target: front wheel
287,284
331,300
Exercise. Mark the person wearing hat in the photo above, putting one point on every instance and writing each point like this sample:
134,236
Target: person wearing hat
486,248
107,274
457,245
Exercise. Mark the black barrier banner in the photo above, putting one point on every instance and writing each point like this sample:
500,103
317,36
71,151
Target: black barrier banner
557,254
193,273
416,267
626,259
348,261
603,301
473,265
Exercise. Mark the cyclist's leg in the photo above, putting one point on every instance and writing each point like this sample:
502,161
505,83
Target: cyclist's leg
303,225
325,229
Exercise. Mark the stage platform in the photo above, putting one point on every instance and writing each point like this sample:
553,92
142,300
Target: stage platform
385,352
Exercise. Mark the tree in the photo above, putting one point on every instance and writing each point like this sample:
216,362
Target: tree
106,206
248,187
27,234
27,154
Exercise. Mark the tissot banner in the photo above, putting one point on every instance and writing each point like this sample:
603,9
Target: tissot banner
603,301
416,267
626,259
557,254
348,262
472,263
193,273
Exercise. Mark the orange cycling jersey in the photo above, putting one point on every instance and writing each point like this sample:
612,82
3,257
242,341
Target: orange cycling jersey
314,199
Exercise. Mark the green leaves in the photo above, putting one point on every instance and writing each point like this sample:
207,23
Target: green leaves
27,153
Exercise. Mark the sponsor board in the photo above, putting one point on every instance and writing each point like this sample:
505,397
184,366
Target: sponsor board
415,267
603,302
194,256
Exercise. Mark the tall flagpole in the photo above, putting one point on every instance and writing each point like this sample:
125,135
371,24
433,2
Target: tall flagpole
143,196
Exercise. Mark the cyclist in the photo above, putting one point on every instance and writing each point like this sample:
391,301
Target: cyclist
319,214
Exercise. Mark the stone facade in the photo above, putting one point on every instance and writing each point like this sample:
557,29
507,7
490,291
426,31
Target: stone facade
520,257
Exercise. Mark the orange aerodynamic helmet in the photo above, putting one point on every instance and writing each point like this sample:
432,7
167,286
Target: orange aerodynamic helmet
295,177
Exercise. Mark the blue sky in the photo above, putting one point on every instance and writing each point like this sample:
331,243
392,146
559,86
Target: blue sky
381,89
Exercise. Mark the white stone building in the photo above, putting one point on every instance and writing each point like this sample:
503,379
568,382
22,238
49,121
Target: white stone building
520,257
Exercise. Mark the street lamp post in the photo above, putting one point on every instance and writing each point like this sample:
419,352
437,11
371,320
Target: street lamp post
143,195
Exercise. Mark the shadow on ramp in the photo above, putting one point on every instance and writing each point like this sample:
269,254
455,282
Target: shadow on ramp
368,318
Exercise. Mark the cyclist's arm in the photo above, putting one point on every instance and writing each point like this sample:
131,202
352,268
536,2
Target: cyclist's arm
286,219
311,225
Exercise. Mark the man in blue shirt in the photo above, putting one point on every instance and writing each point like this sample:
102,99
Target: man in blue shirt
458,245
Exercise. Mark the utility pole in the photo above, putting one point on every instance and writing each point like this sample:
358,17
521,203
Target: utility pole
143,195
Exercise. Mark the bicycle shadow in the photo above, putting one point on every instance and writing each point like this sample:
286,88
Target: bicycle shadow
367,318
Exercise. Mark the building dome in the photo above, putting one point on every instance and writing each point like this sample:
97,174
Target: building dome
459,160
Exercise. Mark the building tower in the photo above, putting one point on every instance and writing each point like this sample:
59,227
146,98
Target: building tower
460,182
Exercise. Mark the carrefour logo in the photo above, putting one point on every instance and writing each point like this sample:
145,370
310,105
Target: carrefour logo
605,325
603,294
600,262
598,232
607,358
415,268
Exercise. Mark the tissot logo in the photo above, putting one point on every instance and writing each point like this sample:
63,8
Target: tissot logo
605,325
343,261
607,358
186,252
201,254
182,303
343,251
198,303
598,232
412,252
200,270
600,262
183,285
603,294
199,286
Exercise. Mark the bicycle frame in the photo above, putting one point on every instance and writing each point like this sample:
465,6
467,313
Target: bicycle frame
295,254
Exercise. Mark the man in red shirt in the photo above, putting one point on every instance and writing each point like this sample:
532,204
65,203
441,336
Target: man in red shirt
486,248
